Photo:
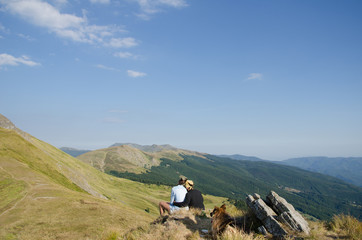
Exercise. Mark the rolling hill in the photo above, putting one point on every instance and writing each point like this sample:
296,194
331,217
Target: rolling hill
315,194
47,194
132,157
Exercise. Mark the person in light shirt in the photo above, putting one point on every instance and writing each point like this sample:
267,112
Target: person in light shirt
193,198
178,194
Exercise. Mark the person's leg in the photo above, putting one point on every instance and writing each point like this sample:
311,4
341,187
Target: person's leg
164,206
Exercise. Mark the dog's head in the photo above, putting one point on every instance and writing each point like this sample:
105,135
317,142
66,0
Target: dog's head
218,210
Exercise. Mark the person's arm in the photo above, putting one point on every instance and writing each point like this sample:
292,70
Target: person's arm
185,203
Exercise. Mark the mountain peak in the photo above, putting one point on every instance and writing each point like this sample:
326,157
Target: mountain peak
6,123
147,148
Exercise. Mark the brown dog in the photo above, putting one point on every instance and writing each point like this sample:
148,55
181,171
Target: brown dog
222,220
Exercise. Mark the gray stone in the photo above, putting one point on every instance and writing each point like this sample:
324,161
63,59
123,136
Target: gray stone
266,215
256,196
279,204
274,227
295,221
263,230
262,210
249,200
287,214
274,211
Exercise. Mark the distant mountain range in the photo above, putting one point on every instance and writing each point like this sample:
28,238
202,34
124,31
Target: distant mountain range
312,193
347,169
73,151
242,157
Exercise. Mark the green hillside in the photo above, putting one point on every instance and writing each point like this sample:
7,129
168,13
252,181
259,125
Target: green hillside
47,194
315,194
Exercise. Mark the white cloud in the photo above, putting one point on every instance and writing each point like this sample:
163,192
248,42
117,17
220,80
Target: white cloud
100,1
106,68
173,3
60,3
127,55
135,74
68,26
3,29
149,7
26,37
43,14
255,76
123,55
122,42
6,59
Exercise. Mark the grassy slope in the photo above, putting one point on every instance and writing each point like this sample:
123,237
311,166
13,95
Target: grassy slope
46,194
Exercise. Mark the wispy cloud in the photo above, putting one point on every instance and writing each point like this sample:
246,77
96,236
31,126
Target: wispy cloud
255,76
67,26
106,68
2,28
26,37
135,74
149,7
126,55
100,1
7,59
122,42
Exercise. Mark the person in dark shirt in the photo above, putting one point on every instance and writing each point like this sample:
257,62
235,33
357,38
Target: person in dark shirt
193,198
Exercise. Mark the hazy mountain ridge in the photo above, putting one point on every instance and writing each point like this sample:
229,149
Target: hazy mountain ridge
74,152
147,148
241,157
348,169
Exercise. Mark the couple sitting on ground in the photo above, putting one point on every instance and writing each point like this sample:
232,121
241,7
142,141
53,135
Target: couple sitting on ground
183,196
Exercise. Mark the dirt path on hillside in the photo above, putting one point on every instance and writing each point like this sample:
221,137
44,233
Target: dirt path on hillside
20,172
19,200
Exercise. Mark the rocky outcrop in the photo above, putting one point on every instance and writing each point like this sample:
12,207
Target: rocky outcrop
287,214
6,123
275,213
266,215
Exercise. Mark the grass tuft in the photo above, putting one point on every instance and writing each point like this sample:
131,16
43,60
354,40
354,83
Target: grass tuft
346,225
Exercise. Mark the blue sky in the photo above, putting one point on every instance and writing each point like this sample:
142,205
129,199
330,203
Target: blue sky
273,79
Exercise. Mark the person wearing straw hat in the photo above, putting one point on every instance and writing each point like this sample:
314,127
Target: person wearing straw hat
193,197
178,194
